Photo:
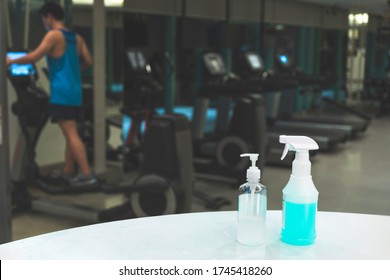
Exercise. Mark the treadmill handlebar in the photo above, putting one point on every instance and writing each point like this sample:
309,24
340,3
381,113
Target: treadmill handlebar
305,79
214,90
273,83
229,85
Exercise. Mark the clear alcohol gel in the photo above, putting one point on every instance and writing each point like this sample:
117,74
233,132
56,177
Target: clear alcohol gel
252,207
300,196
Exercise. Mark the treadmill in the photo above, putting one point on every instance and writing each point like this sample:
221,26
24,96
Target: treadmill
240,124
252,69
348,122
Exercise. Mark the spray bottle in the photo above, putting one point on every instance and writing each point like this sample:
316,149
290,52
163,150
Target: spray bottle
300,196
252,207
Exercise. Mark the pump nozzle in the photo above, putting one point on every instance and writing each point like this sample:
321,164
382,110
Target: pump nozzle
252,157
253,173
297,143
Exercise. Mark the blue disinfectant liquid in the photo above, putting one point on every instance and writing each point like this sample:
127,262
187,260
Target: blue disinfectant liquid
299,222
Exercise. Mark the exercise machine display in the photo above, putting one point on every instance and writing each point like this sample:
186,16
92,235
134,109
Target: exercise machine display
163,187
252,70
285,67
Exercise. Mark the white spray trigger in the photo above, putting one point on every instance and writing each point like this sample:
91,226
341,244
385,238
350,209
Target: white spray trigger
285,151
297,143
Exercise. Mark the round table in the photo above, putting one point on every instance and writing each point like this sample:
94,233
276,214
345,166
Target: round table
204,236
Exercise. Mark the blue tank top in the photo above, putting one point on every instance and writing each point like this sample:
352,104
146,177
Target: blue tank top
65,76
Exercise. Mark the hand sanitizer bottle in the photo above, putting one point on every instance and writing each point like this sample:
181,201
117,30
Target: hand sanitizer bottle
252,207
300,196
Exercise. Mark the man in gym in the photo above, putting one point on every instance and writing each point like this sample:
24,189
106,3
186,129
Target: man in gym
63,49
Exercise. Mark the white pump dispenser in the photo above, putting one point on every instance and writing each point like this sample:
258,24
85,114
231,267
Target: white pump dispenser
253,173
252,207
300,196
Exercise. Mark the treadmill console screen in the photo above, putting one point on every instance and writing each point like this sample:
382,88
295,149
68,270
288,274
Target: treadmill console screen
137,60
284,60
255,61
132,59
214,64
141,60
20,70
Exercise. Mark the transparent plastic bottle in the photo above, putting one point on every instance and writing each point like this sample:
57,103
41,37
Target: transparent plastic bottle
252,208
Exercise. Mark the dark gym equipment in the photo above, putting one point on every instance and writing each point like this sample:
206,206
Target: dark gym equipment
218,154
351,124
253,71
163,187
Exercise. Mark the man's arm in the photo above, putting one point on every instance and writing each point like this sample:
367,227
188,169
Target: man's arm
44,47
84,53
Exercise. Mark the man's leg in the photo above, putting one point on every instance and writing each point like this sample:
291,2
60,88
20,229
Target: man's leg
69,160
75,146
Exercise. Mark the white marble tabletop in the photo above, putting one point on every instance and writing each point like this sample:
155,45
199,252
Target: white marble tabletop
204,236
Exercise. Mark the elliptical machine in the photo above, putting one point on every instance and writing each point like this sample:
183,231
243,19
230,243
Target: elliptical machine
142,92
163,187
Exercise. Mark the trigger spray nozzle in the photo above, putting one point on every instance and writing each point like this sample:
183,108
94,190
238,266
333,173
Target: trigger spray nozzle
253,173
286,149
301,145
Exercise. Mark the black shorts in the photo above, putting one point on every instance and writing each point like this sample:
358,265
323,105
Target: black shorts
64,113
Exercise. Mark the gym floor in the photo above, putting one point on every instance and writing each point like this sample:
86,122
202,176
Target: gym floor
355,178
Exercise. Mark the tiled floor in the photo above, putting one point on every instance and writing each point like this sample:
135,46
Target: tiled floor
355,178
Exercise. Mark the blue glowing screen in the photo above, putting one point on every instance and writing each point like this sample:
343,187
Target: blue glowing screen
283,58
20,69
